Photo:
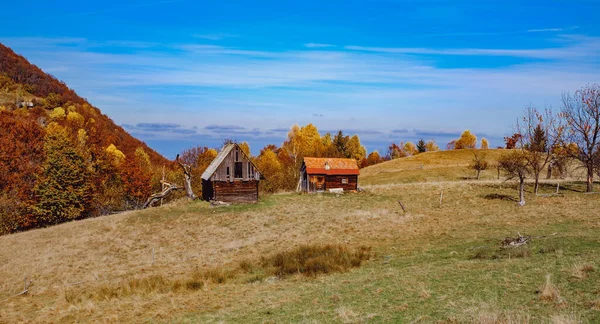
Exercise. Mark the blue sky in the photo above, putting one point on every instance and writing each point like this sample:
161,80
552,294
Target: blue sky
181,73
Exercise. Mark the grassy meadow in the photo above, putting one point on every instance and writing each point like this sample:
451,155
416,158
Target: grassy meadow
435,263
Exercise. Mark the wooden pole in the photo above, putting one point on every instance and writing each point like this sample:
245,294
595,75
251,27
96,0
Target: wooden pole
441,198
402,205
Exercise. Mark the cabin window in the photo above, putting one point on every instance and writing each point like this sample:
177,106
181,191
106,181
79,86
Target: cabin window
249,170
237,155
238,170
344,180
228,173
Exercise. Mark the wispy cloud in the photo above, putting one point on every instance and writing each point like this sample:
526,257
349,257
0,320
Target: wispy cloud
435,133
224,128
158,126
400,131
492,33
166,130
318,45
545,30
215,36
576,50
279,130
382,90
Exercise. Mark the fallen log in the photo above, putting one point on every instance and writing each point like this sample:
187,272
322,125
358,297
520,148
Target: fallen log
510,242
167,188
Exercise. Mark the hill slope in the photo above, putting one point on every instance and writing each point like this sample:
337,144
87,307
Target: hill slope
62,159
48,93
433,263
451,165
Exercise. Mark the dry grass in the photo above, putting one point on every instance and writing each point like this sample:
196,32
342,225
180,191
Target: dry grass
581,271
311,260
566,319
192,263
549,292
347,315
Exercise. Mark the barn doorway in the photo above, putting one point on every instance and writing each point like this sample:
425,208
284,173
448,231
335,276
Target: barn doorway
318,183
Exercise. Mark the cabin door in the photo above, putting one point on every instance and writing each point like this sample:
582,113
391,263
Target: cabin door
318,183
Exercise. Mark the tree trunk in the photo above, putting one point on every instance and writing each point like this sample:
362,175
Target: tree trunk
187,174
167,188
521,191
537,184
478,172
590,179
549,173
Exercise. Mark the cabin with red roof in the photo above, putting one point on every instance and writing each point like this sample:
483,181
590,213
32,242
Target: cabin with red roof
322,174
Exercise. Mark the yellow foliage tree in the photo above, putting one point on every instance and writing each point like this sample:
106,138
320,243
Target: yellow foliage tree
245,147
484,144
75,119
270,166
410,149
115,154
142,158
466,140
431,146
57,113
355,150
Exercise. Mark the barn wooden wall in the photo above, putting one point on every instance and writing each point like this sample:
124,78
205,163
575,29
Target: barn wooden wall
237,191
229,161
335,181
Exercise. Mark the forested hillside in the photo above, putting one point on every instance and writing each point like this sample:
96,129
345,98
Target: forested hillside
60,157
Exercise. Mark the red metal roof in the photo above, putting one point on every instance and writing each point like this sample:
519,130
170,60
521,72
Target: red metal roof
335,166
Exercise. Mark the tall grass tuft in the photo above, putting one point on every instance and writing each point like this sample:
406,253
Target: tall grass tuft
549,292
311,260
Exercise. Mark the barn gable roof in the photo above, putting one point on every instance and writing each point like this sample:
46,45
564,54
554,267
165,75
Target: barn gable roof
214,165
331,166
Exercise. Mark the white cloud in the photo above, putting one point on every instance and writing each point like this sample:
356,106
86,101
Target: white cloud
215,36
317,45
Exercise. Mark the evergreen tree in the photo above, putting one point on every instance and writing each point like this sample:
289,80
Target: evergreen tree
421,146
339,141
539,140
62,189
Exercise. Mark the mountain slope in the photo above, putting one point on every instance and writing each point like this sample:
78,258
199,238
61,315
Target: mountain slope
60,157
47,92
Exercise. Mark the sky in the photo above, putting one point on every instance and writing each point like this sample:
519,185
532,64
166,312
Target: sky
182,73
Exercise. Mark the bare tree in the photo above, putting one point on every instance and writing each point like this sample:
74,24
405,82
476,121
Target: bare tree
582,114
540,133
516,166
187,173
479,163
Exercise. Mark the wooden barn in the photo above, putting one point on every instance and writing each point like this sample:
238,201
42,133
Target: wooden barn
231,177
322,174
